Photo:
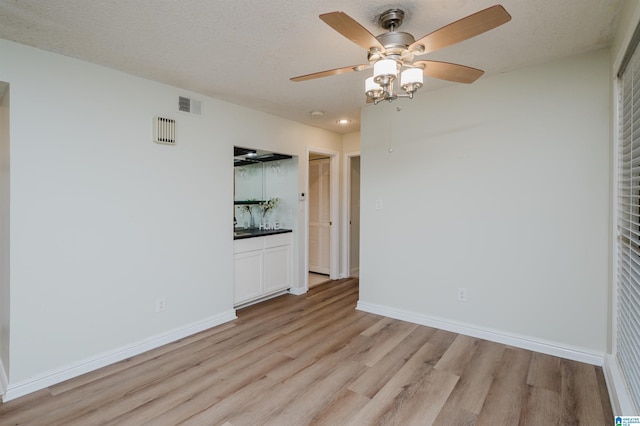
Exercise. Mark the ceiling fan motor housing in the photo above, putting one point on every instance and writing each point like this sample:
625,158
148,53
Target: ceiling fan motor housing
392,18
395,43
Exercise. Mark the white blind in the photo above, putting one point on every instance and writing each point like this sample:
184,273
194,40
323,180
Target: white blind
628,333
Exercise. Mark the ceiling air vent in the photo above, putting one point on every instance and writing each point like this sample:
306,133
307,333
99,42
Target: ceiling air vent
164,130
189,105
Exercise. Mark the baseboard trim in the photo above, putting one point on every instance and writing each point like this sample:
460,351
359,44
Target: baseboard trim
621,402
260,299
4,381
53,377
297,291
520,341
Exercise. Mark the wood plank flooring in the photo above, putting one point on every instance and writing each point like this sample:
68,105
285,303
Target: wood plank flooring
314,359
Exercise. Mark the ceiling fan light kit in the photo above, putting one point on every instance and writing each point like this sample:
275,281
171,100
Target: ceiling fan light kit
385,72
411,79
393,52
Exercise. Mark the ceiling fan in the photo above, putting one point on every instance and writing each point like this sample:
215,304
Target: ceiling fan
391,52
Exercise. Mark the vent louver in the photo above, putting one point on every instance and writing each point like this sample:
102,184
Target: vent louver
164,131
189,105
184,104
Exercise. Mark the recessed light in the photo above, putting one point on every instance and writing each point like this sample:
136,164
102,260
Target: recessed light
316,113
343,121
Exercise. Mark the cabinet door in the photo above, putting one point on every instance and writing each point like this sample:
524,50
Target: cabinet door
248,273
276,269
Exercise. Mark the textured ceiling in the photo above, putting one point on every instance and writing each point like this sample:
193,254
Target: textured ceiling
245,51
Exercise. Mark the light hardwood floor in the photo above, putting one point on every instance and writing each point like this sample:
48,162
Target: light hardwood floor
314,359
315,279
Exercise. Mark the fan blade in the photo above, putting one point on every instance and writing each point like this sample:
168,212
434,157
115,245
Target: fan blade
351,29
450,72
327,73
463,29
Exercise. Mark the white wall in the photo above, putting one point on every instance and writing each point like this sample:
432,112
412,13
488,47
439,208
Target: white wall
4,231
104,221
351,142
500,187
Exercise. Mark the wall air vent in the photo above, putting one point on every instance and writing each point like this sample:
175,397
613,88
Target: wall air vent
164,130
189,105
184,104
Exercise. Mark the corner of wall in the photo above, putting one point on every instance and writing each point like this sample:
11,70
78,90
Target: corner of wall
4,234
4,380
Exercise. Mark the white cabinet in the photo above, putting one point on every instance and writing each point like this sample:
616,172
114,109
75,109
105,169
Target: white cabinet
247,269
276,268
261,267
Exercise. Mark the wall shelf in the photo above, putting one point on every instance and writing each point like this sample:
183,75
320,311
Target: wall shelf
247,202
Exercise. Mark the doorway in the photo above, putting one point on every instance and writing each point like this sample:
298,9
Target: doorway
319,214
353,196
322,193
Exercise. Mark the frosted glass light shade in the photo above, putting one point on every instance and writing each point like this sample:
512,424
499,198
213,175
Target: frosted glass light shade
385,67
371,88
411,76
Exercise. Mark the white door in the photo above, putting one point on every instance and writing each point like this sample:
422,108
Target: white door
319,216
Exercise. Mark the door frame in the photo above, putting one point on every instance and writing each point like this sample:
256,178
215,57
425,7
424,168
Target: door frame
334,259
346,229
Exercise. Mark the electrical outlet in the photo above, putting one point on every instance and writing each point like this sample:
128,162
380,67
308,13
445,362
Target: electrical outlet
161,304
462,294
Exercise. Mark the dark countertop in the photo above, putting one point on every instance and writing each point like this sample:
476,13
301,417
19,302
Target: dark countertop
241,233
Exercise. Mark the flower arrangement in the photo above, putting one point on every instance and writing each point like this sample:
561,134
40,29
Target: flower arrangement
268,205
247,209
